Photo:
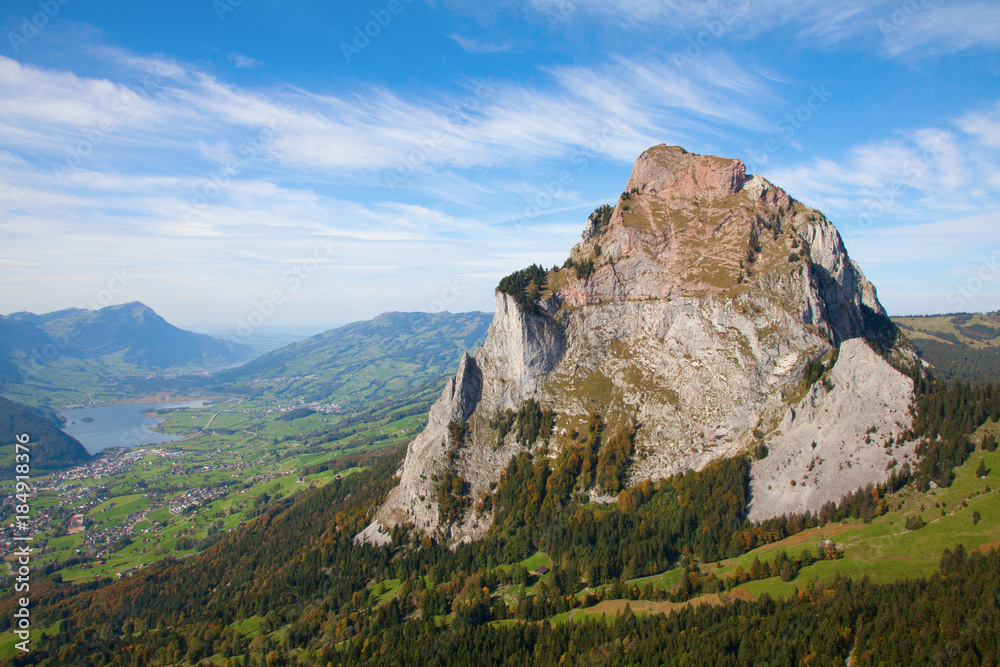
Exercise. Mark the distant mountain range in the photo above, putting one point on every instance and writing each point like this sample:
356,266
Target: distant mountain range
133,330
392,354
75,356
60,357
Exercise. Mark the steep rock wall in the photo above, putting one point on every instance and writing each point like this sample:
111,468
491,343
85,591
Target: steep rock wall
690,310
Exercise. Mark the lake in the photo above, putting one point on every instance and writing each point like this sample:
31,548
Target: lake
106,426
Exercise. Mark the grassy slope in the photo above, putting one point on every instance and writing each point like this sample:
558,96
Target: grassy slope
391,355
259,438
883,550
958,348
924,328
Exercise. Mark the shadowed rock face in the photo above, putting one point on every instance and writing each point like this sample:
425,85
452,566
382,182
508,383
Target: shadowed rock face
693,311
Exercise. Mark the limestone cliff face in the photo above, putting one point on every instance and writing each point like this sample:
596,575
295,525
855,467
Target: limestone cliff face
833,442
690,308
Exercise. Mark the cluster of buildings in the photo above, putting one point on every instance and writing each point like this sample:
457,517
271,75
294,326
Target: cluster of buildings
37,522
195,498
76,499
77,494
273,473
111,462
238,466
96,536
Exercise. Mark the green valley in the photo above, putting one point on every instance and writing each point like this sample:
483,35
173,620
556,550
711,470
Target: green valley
272,473
960,346
270,479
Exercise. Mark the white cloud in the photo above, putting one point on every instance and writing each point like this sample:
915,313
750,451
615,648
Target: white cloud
205,206
479,47
47,108
927,173
984,125
241,61
893,27
207,182
494,123
960,240
816,16
62,240
933,28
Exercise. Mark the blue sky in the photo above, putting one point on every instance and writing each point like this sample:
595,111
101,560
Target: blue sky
236,164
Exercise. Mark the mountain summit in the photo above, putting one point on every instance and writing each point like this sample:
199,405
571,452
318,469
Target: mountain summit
92,346
147,340
705,314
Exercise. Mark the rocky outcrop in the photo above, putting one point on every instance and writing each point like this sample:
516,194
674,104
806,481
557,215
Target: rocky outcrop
833,442
672,173
411,502
690,309
520,350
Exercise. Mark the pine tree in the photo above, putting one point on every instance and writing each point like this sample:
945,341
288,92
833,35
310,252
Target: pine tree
981,470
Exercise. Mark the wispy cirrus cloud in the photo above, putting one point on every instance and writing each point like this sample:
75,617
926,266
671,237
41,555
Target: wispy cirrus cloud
240,61
492,123
479,47
934,28
62,237
890,27
930,171
277,166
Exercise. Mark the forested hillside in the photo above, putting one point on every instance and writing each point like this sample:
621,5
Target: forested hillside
292,587
50,447
960,362
390,355
962,347
951,618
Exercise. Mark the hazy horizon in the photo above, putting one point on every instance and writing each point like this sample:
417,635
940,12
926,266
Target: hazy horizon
306,330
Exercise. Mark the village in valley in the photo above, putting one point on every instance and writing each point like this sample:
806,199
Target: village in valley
128,507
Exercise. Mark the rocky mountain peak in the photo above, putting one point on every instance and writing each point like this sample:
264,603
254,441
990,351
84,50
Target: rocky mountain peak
695,225
673,173
686,317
